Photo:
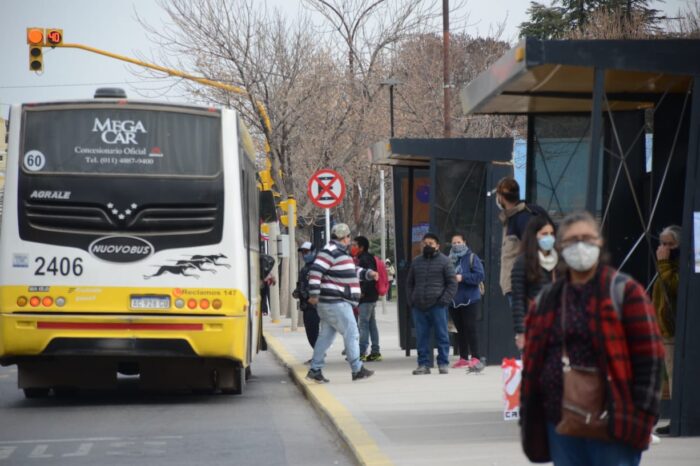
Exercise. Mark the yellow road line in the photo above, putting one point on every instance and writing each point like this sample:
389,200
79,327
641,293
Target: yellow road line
361,443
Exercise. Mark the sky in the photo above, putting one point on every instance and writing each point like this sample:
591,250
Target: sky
111,25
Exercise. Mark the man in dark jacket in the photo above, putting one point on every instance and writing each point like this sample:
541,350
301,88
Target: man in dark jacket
311,320
368,301
431,285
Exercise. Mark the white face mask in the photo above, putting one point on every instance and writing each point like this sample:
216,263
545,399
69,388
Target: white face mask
581,256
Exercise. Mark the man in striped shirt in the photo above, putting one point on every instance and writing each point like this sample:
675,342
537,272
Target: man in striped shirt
334,287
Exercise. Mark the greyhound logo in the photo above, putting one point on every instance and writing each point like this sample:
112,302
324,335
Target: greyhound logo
194,263
121,248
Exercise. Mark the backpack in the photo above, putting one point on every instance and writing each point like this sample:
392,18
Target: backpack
383,279
618,282
482,286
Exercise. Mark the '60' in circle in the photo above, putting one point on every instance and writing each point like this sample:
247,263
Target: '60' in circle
34,160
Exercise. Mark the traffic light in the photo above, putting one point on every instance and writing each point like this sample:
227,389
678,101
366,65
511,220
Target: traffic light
35,39
284,205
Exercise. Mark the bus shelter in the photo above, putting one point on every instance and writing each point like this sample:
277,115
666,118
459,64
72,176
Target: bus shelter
442,186
614,127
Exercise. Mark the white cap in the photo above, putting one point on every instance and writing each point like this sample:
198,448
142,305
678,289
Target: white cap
306,245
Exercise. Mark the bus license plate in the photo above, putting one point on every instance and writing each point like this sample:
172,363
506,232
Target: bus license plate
150,302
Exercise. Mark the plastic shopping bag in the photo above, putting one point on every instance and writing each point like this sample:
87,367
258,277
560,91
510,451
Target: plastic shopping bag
512,373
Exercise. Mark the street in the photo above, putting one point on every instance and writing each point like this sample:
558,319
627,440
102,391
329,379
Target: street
271,424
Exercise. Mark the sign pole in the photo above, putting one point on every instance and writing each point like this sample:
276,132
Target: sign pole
328,226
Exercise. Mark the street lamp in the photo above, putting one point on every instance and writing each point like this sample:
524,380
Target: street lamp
391,82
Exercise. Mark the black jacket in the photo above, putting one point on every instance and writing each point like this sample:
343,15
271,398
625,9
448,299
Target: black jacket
368,287
431,280
301,292
524,291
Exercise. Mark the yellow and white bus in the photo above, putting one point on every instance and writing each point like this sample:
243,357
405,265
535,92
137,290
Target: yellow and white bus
129,244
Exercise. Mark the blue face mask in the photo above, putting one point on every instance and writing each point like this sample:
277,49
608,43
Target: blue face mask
308,258
546,243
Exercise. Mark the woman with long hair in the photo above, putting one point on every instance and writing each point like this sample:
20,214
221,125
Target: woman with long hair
595,329
533,268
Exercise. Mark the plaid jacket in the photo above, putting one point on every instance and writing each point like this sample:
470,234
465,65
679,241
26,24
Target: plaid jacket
630,351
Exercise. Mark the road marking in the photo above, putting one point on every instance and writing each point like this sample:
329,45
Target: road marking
83,450
40,452
4,376
78,440
6,452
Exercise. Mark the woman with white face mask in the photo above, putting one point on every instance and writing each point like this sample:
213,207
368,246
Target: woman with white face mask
597,324
533,268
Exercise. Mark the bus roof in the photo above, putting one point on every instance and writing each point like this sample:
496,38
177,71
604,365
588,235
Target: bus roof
103,101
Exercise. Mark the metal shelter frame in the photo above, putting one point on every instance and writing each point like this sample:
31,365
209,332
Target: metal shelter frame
603,79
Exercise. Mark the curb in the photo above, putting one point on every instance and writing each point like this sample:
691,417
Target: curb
361,444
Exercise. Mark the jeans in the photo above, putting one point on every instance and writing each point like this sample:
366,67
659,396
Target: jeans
434,318
464,318
336,317
368,327
575,451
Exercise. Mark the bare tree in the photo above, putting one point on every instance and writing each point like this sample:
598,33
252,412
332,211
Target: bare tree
269,56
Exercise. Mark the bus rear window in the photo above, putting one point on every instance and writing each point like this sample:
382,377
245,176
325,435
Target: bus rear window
121,140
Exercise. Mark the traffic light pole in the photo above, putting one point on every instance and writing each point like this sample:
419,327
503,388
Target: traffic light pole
265,119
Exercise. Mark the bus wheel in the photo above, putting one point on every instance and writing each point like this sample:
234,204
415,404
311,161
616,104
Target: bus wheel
36,393
239,378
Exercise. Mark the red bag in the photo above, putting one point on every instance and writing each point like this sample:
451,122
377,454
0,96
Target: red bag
383,280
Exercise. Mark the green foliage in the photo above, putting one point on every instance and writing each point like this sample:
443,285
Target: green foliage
563,16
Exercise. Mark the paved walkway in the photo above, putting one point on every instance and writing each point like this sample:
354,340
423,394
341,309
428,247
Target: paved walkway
402,419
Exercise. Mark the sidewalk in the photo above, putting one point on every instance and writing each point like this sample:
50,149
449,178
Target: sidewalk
402,419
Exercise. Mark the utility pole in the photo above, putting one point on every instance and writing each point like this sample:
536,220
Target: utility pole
446,65
382,230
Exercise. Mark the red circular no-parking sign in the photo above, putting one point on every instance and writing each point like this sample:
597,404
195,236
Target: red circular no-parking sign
326,188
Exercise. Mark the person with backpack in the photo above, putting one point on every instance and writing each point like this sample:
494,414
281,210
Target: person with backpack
469,273
534,268
592,362
514,215
368,300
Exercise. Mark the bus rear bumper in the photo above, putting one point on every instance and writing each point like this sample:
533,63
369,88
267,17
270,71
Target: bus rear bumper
38,336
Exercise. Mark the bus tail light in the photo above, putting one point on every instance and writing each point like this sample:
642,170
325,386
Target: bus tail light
216,304
47,301
204,303
60,302
34,301
22,301
192,303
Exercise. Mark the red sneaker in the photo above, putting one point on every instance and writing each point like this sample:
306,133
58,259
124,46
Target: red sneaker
461,363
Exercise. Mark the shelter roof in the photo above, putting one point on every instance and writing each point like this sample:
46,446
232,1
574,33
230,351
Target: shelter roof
557,76
418,152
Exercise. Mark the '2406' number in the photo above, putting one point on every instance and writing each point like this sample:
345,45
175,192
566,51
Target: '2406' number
58,266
